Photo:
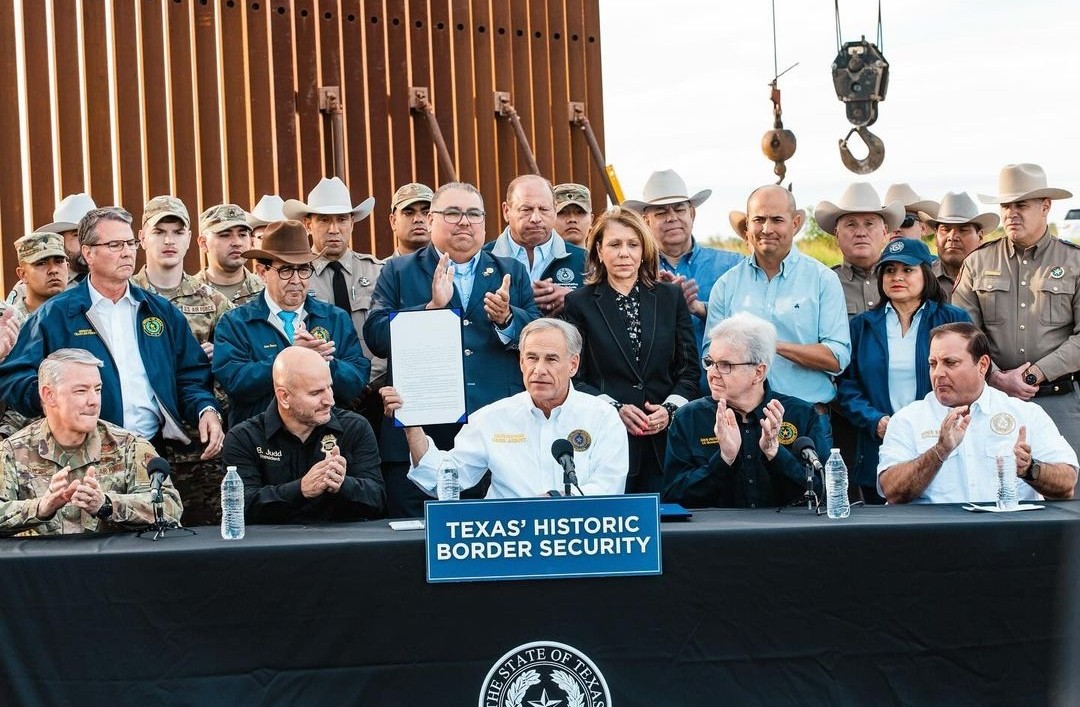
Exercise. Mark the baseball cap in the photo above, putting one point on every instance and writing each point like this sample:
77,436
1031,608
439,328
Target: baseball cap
910,251
571,193
223,217
39,245
161,206
410,194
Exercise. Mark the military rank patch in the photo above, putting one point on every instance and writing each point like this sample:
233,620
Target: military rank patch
152,326
788,433
328,443
1003,423
321,333
580,439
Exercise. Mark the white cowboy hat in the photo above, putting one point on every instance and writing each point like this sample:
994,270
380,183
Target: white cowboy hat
330,196
69,212
959,208
1017,182
858,198
913,203
666,187
737,219
268,210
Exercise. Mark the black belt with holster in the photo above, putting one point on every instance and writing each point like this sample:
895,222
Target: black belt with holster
1057,387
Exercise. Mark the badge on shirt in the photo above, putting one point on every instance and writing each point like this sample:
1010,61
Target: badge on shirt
788,433
321,333
328,443
152,326
1003,423
487,272
1057,273
564,275
580,440
363,281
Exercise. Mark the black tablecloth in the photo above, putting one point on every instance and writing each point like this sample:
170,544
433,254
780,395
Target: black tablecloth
895,605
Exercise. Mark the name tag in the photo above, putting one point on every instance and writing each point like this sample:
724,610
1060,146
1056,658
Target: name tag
85,332
706,441
930,434
269,455
200,309
505,438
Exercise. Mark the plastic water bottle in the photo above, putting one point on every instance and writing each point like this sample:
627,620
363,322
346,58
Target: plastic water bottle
449,485
836,484
232,505
1005,461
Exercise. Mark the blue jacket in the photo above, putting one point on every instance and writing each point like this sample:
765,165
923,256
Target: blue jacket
567,267
491,367
178,370
863,388
246,343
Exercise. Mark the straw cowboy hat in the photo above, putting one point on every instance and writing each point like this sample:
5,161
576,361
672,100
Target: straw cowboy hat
69,212
959,208
330,196
737,219
1023,181
266,211
858,198
666,187
284,240
913,203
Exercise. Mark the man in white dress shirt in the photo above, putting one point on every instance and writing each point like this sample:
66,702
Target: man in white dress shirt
942,449
513,436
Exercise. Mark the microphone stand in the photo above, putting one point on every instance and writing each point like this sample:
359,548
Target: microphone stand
813,503
160,525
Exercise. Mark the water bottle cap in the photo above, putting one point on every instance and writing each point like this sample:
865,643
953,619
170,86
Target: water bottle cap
834,450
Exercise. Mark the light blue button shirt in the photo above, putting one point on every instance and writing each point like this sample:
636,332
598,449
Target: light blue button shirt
805,303
902,385
543,255
464,277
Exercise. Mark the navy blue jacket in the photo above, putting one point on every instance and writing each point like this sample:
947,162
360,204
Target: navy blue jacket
246,343
863,388
176,365
567,267
491,367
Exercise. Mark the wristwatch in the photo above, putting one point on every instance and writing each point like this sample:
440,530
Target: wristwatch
105,512
671,408
1033,472
1030,378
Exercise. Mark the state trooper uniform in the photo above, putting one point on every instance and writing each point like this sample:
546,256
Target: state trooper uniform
361,272
946,282
1028,303
29,458
512,437
860,288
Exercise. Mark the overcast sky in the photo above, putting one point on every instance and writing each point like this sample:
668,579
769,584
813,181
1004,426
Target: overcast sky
972,86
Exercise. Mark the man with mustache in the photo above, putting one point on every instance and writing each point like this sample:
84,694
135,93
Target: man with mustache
958,229
302,459
249,338
224,235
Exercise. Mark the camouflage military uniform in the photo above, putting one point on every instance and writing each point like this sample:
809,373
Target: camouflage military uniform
251,286
198,480
29,459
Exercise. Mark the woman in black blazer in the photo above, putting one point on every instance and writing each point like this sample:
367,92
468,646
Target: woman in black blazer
639,351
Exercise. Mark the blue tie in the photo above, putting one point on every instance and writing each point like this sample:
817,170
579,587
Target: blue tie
288,319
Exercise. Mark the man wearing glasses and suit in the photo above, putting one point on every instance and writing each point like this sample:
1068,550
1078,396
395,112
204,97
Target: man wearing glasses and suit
166,374
249,337
495,297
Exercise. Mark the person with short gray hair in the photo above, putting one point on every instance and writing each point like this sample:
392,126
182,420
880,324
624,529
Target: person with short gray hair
733,449
72,472
569,332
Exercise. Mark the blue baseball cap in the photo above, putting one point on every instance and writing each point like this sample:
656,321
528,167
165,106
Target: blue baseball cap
909,251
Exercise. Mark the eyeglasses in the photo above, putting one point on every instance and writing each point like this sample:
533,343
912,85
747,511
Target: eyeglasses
723,366
287,272
117,246
909,220
454,216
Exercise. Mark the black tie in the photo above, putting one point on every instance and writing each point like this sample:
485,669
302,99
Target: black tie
341,290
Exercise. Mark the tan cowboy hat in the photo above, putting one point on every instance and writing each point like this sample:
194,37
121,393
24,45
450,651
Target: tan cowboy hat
666,187
330,196
284,240
69,212
737,219
858,198
959,208
913,203
266,211
1023,181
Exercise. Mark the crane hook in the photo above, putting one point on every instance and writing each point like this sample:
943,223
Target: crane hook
875,152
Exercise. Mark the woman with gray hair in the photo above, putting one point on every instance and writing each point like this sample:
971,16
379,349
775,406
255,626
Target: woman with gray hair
733,449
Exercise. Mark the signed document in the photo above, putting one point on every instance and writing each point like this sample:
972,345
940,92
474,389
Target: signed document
429,372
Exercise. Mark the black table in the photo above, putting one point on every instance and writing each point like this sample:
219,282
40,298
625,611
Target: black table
896,605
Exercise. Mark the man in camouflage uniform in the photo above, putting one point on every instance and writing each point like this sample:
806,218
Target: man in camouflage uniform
408,218
224,234
165,237
71,472
66,223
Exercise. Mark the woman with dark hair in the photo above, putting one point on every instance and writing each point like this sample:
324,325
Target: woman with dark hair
890,345
639,351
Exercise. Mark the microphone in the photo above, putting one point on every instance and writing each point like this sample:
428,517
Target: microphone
563,452
158,470
804,450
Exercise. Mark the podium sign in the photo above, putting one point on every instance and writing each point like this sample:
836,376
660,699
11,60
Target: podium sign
527,538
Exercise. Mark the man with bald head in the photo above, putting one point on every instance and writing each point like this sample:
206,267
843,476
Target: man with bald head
303,460
800,296
555,266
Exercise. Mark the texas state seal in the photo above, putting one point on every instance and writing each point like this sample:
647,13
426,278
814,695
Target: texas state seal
544,673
